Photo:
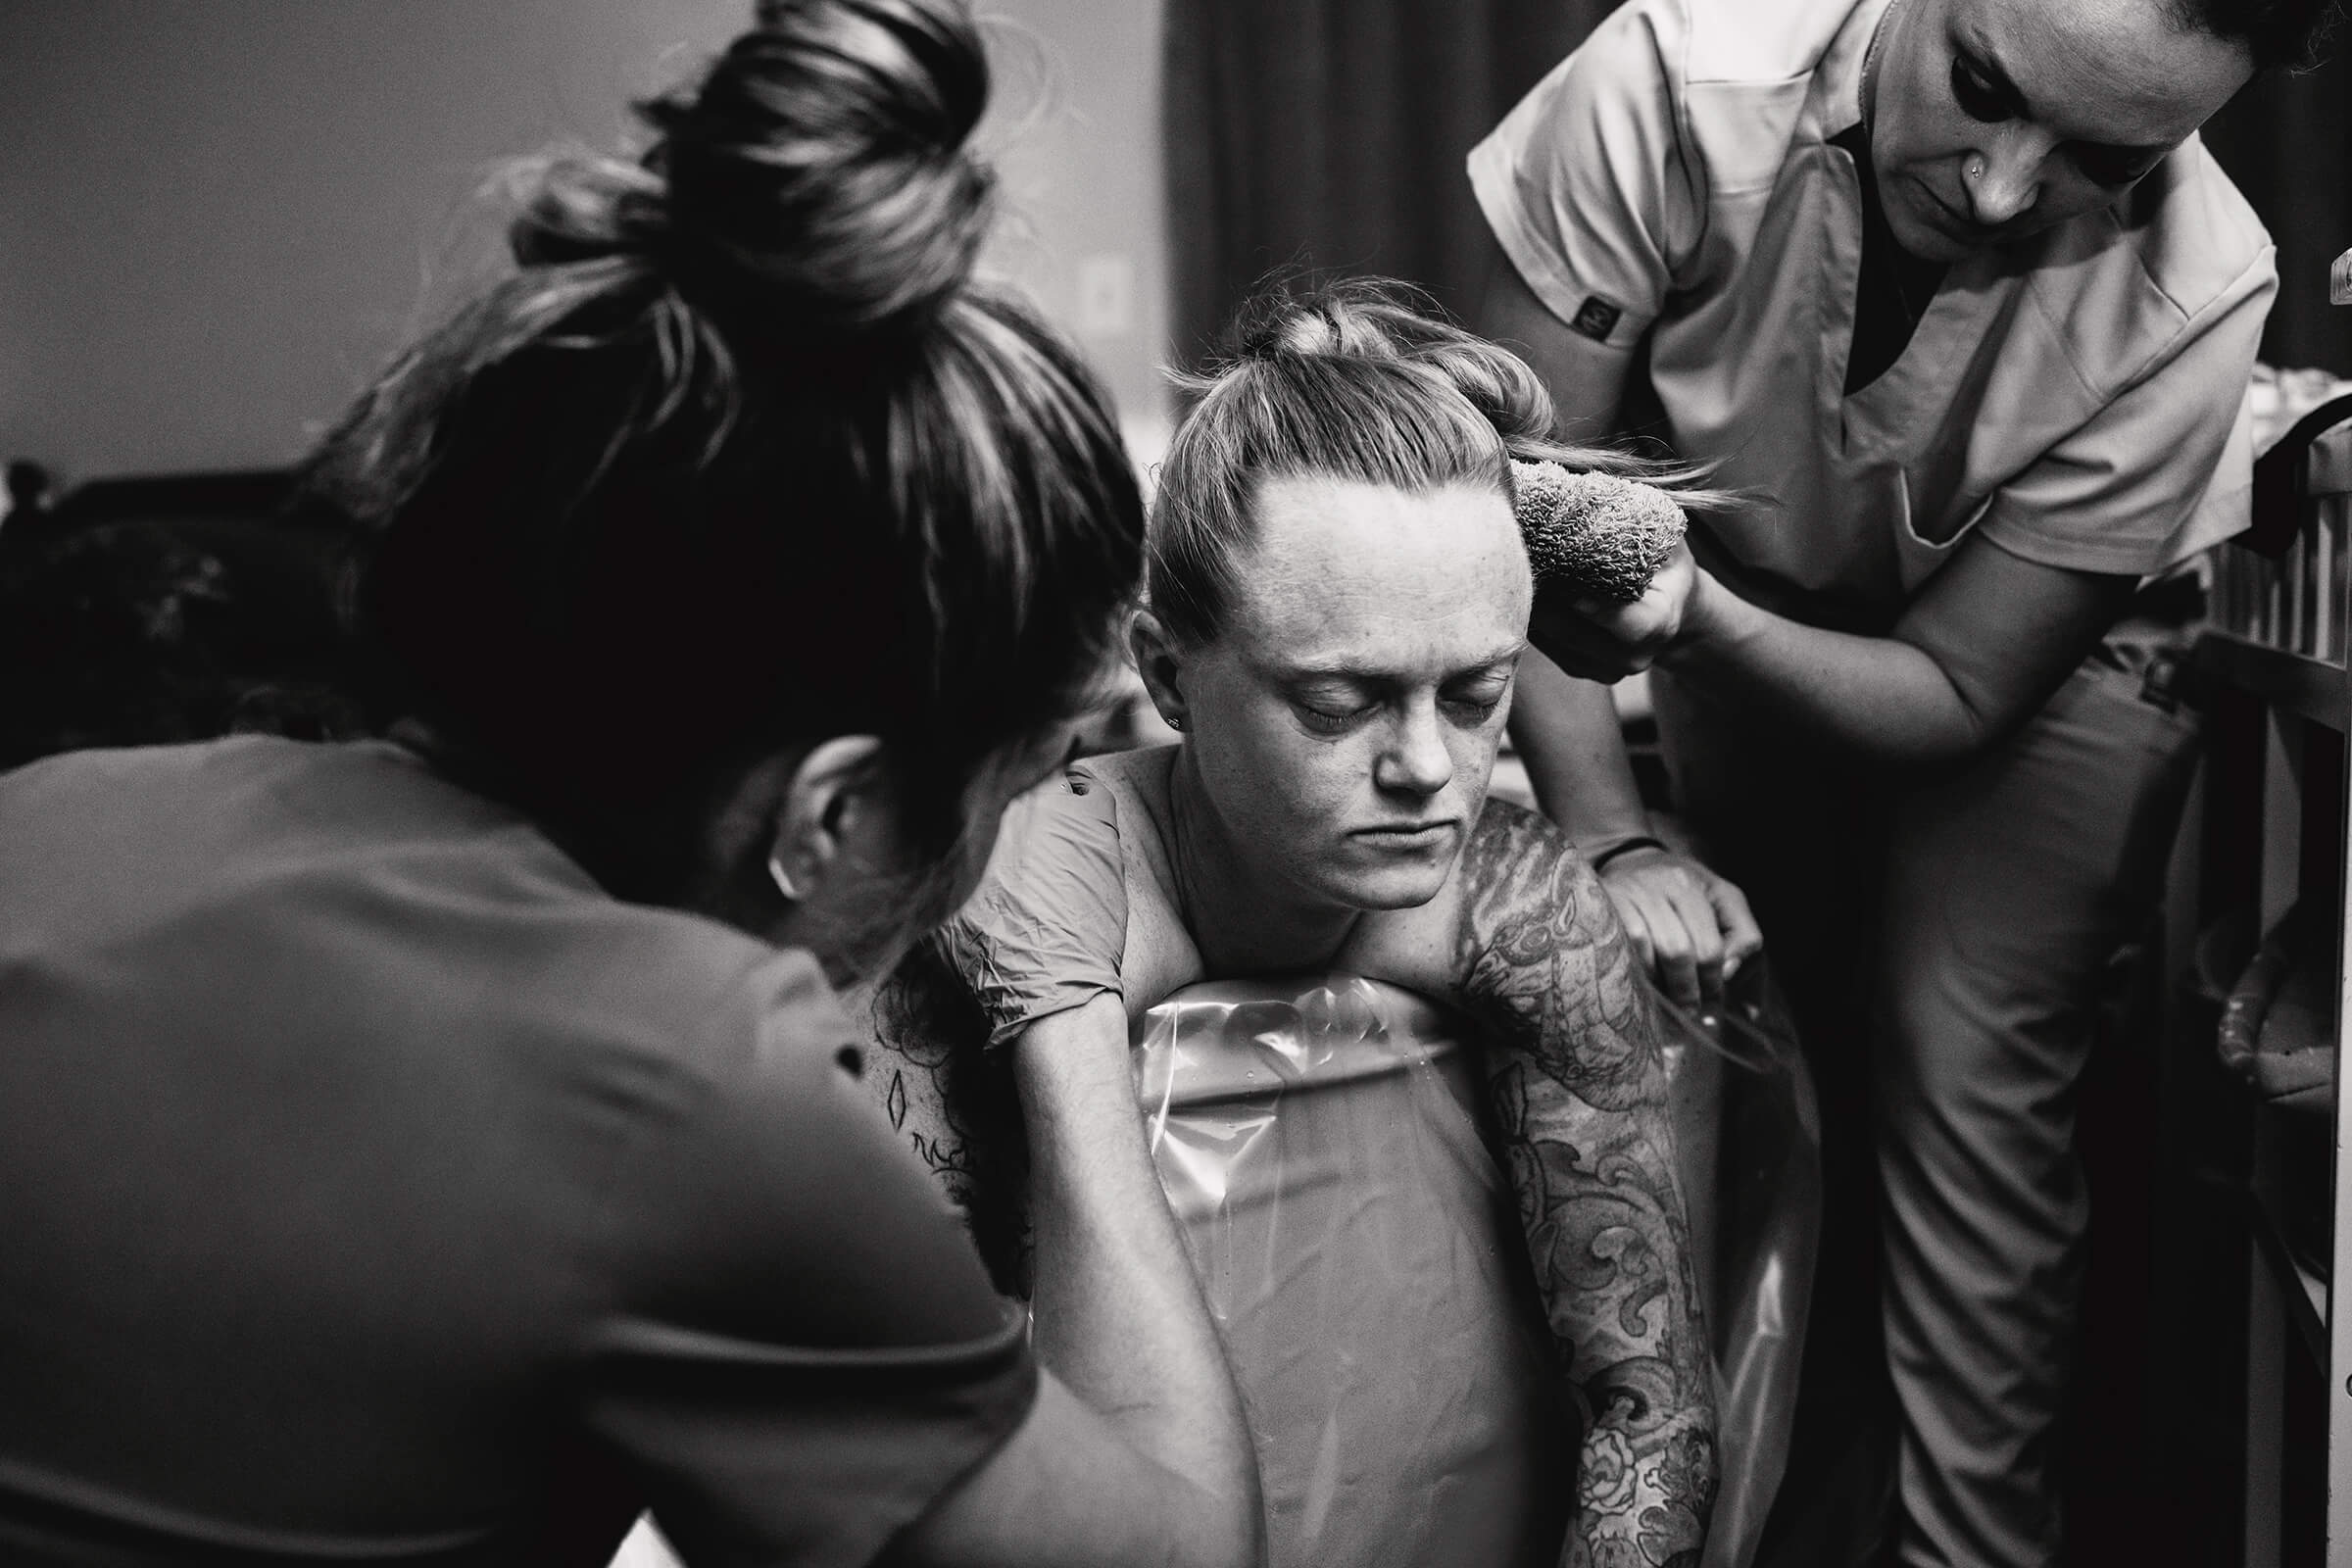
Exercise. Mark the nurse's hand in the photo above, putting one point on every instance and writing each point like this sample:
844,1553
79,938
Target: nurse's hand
1689,927
1604,640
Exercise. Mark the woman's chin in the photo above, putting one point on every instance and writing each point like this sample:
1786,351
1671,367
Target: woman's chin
1401,884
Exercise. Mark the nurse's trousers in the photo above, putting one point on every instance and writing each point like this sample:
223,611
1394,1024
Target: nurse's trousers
1943,943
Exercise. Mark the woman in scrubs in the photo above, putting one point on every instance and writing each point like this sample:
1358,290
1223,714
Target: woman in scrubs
1338,598
1952,290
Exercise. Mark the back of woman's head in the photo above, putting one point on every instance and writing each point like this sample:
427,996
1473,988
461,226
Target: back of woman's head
1359,380
740,458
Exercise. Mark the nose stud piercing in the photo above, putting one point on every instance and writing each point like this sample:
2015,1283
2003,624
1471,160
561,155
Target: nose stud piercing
1976,169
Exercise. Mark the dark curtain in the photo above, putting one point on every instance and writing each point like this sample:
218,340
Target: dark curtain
2287,142
1331,133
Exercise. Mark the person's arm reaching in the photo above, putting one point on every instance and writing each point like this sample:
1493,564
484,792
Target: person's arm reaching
1978,652
1983,646
2054,560
797,1355
1145,1458
1118,1315
1578,1082
1689,926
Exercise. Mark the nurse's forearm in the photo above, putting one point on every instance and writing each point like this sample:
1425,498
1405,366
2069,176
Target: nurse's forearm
1567,733
1983,646
1118,1314
1878,696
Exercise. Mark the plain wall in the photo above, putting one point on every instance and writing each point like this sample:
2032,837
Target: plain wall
218,217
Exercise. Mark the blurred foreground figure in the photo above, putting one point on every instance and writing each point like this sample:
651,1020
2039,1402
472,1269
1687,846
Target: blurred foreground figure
434,1152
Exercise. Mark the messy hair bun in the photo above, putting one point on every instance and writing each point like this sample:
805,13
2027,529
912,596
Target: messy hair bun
1384,323
741,455
1362,380
818,176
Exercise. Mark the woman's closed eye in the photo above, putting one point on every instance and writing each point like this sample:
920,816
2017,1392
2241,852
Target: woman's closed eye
1473,701
1978,98
1471,713
2115,166
1332,704
1331,715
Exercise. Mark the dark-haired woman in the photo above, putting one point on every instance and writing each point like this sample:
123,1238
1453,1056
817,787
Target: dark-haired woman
1338,601
1952,287
436,1152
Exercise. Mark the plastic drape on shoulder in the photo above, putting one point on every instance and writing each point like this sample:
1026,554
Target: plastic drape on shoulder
1326,1147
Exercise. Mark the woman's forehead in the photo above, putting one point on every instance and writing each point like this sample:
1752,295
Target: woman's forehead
2120,72
1348,573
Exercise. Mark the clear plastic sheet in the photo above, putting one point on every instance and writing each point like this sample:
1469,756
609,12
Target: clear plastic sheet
1323,1143
1747,1135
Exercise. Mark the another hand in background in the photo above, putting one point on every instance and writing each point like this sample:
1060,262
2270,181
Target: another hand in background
1691,928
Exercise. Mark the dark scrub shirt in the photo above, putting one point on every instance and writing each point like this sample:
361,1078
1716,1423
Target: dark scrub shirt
374,1188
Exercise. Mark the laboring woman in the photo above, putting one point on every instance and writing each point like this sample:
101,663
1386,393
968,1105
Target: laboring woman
1337,599
1952,291
436,1151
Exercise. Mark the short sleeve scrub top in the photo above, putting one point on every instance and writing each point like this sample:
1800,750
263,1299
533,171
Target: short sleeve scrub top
1687,179
379,1189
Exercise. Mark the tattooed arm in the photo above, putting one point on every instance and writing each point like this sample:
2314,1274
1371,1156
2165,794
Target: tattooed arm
955,1102
1042,935
1579,1087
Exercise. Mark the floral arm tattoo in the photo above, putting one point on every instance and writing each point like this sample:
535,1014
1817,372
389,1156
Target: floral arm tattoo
1578,1083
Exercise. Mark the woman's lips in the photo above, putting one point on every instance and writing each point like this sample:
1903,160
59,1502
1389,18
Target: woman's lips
1409,836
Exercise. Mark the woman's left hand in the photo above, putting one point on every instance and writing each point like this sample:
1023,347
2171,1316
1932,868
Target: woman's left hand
1691,928
1607,641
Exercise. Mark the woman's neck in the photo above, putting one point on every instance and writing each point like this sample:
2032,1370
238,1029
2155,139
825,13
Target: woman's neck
1240,921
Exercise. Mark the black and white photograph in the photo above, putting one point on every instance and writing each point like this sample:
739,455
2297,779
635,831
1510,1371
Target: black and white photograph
1175,783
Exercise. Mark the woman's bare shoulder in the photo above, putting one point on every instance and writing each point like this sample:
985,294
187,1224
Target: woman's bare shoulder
1514,853
1539,956
1523,879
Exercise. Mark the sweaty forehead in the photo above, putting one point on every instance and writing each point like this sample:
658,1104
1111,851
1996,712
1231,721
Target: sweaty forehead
2120,72
1373,576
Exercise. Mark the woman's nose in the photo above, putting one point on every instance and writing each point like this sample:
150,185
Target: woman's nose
1416,760
2004,180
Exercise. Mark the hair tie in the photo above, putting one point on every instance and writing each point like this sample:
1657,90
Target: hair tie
1594,533
1626,846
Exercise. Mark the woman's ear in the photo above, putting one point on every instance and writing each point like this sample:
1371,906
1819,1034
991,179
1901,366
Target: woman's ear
1161,661
828,818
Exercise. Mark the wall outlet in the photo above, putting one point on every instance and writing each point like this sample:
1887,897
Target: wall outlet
1106,294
